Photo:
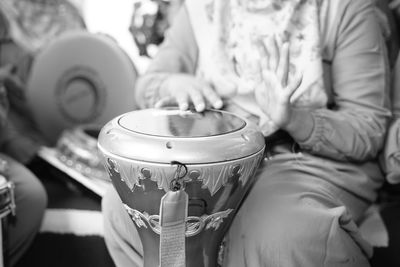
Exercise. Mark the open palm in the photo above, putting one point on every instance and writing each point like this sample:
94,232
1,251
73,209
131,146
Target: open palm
274,93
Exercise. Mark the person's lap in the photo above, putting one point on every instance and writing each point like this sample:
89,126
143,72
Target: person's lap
294,217
31,201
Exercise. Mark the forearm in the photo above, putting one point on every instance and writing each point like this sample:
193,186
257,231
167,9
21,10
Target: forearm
167,63
342,135
300,125
147,89
177,54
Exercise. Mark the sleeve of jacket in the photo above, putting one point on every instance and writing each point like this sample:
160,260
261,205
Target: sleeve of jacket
177,54
355,128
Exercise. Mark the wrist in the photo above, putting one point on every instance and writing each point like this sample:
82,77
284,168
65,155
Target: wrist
300,124
153,92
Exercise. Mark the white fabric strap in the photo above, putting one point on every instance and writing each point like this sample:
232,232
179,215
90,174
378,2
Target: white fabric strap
173,214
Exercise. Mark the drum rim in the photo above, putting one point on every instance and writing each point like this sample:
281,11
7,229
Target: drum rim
168,164
177,111
128,144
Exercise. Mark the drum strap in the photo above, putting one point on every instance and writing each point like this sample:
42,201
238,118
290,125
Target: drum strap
173,214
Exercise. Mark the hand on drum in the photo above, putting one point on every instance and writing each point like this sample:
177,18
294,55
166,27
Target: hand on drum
274,93
184,90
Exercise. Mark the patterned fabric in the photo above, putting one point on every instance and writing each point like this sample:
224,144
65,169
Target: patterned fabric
228,33
33,23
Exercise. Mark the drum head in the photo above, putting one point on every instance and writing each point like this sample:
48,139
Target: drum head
176,123
80,78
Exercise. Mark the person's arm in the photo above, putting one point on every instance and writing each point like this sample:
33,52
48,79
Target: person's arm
356,127
177,54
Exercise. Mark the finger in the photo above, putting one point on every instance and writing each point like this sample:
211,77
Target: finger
197,99
394,4
212,97
293,86
273,50
264,56
283,67
182,99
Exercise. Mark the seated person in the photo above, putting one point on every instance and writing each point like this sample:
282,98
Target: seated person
30,196
313,75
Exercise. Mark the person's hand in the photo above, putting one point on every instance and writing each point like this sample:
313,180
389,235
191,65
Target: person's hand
274,93
185,90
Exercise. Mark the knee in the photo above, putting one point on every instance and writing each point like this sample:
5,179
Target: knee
112,209
37,196
304,234
110,202
292,230
30,196
117,223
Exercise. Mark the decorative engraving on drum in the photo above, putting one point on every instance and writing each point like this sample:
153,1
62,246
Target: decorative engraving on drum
194,225
137,216
80,94
146,173
111,166
194,174
213,176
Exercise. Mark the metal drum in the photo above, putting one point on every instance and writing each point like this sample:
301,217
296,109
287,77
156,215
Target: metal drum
211,156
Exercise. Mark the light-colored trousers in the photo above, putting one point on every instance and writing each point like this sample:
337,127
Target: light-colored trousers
293,217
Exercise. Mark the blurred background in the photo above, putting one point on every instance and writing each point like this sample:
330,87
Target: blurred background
61,92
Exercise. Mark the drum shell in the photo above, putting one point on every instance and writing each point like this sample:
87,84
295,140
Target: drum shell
205,197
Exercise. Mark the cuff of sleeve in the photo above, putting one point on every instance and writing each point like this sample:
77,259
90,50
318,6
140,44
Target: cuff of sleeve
312,142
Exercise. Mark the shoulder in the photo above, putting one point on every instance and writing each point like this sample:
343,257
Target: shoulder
339,12
345,18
